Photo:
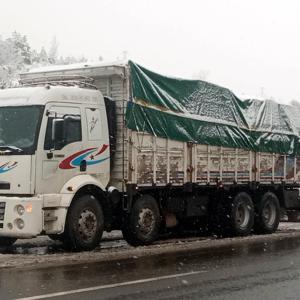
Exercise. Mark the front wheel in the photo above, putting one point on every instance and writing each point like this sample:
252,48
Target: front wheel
84,224
142,225
267,214
6,241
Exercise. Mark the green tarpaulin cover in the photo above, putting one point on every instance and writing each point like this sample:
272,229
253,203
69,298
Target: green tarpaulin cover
200,112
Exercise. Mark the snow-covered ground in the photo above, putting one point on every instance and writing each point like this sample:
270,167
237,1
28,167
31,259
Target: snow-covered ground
42,251
289,226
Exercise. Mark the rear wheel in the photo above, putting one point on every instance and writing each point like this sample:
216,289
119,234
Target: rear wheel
267,214
6,241
84,224
142,225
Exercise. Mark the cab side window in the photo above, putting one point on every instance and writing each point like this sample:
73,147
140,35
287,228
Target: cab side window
73,129
68,129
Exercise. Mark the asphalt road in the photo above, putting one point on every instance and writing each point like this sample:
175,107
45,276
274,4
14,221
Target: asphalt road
254,270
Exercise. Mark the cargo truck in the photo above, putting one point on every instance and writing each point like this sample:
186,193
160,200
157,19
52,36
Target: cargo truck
92,148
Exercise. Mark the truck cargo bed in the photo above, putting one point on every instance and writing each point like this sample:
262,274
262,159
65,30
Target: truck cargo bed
161,161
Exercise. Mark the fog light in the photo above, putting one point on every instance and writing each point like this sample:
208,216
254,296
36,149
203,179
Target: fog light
19,223
20,209
10,226
29,207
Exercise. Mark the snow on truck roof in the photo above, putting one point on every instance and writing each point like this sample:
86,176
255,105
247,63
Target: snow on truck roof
43,94
77,66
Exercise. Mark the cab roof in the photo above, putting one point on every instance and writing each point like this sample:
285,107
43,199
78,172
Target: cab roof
40,95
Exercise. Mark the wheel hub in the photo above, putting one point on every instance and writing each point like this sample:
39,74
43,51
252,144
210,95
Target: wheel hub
146,220
87,224
269,213
242,215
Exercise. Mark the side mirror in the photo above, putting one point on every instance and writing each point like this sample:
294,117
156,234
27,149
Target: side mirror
57,132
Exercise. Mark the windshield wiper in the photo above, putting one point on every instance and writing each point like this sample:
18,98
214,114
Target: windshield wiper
10,149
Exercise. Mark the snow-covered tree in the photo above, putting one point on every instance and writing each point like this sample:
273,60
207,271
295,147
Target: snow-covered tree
11,61
16,56
35,57
21,47
43,57
53,51
71,60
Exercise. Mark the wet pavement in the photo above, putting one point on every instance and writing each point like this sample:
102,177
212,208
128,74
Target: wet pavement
43,245
248,269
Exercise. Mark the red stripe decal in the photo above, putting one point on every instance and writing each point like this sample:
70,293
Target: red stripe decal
65,164
104,147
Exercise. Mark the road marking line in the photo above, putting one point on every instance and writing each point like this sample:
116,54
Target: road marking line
107,286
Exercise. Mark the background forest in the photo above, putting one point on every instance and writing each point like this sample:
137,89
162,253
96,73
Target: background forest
16,56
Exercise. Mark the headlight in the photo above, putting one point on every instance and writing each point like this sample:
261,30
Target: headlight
20,209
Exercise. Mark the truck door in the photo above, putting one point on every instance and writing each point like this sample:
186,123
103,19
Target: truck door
98,162
61,145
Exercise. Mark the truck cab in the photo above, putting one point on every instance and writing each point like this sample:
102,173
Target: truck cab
54,146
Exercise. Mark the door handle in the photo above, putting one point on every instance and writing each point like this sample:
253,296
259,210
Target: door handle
83,165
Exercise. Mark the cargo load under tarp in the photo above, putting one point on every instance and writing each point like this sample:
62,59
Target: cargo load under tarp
200,112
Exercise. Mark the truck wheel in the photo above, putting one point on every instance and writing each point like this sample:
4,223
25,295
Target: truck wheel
142,225
241,214
84,224
6,241
267,214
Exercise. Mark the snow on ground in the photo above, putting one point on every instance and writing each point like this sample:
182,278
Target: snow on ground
43,252
289,226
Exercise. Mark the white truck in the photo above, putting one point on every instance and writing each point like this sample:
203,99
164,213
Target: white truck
73,164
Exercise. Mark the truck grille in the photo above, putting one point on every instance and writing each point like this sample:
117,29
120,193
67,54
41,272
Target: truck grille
2,212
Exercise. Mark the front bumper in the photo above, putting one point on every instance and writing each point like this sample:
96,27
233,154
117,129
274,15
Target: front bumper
26,225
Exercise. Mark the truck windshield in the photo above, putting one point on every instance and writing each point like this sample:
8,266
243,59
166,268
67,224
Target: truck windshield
19,129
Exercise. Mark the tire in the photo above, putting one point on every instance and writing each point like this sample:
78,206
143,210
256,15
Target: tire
142,225
241,215
6,241
84,224
267,214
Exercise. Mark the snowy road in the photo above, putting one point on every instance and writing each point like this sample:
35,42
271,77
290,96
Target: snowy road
261,267
42,251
